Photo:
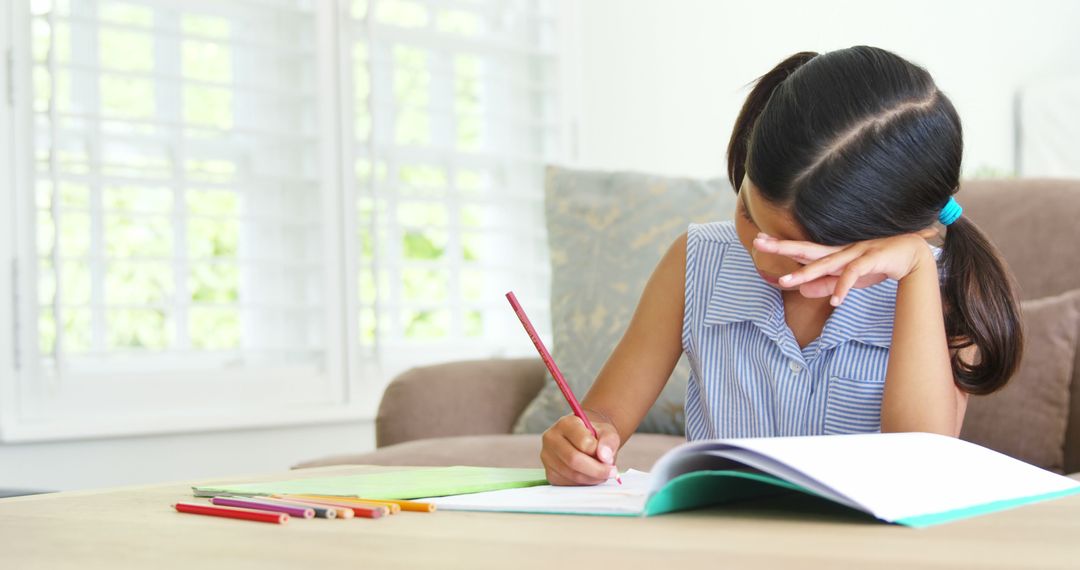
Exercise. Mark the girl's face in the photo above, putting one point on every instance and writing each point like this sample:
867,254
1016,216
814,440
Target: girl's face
754,214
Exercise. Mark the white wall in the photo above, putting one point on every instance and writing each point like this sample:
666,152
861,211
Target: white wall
65,465
662,81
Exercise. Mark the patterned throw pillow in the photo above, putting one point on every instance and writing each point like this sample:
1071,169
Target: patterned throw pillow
606,232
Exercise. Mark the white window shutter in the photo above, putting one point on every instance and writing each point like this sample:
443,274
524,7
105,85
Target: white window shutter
235,212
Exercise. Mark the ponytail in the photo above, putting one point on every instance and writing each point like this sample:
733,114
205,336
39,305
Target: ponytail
981,309
751,109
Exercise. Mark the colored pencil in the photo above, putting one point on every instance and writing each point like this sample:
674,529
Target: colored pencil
369,512
555,372
391,508
245,514
321,511
291,510
360,510
341,512
395,505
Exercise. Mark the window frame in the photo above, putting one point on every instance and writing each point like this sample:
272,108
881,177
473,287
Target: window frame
38,408
355,374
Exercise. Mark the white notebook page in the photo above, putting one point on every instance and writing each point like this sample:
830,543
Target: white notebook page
901,475
606,498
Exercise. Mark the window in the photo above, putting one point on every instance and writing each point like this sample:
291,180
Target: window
453,119
252,211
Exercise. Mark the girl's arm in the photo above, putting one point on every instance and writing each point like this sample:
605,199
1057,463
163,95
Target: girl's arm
641,363
628,384
920,394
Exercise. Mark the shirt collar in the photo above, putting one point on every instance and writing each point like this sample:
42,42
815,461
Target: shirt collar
739,294
865,316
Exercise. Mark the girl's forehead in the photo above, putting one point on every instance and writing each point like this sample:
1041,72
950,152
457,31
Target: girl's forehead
770,218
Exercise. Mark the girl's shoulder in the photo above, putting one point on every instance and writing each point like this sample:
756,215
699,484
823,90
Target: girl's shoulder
710,245
719,233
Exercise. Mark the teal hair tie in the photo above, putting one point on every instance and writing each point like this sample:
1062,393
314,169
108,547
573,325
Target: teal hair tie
951,212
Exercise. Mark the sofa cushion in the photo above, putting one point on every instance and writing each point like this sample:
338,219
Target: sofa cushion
465,397
1033,224
1027,418
606,232
522,450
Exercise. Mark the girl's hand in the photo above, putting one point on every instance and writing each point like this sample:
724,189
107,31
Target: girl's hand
835,270
570,452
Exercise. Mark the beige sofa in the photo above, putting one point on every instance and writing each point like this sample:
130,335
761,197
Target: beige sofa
462,413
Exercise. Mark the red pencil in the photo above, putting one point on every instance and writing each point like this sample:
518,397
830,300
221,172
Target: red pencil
246,514
555,372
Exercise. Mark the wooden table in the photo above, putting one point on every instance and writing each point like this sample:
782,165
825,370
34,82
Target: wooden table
136,528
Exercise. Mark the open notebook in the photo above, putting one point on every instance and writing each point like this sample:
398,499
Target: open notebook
913,479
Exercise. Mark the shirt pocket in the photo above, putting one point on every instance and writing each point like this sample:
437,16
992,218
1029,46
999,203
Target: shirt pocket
853,406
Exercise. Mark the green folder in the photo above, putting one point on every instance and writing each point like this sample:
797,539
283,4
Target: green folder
404,484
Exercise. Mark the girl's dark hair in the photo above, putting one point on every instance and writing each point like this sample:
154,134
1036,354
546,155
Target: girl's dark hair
860,143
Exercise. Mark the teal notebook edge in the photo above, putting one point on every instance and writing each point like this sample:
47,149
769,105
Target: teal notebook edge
923,521
699,489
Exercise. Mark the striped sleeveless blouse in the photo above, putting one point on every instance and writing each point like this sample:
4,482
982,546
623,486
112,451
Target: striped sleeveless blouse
748,375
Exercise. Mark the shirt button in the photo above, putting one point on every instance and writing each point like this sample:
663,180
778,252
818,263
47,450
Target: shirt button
795,366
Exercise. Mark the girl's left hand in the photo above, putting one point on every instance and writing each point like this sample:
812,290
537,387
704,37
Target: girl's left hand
835,270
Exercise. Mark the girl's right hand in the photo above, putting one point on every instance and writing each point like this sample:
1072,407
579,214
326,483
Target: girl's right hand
570,452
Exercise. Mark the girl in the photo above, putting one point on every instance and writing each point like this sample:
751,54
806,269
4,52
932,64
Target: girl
821,308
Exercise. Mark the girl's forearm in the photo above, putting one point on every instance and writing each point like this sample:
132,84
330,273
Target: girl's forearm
919,391
630,382
639,367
